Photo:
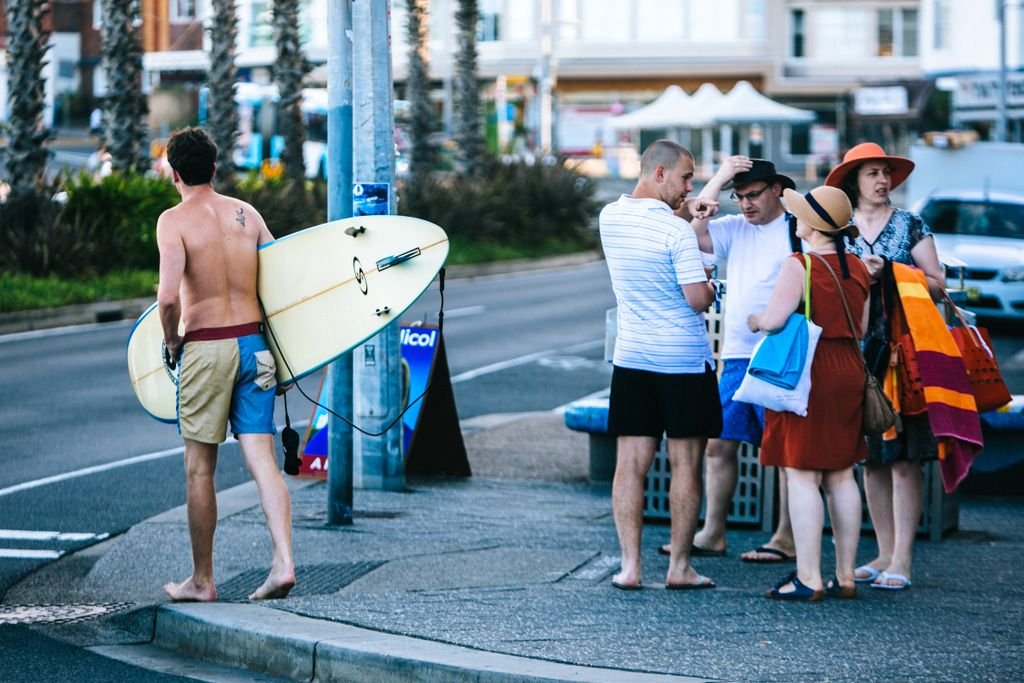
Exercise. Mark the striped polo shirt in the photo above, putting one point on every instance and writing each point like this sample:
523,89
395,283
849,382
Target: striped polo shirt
651,253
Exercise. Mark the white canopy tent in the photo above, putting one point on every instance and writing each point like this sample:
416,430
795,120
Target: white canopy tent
745,106
707,108
661,113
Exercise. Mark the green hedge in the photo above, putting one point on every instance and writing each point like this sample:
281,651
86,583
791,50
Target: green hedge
519,208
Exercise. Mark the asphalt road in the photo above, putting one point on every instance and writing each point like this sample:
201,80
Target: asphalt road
530,341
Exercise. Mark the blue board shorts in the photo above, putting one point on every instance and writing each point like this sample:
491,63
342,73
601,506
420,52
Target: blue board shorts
224,380
740,421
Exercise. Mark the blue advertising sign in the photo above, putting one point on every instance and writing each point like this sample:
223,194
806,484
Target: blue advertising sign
419,345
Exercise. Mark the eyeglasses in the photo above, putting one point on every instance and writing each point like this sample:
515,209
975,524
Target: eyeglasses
737,197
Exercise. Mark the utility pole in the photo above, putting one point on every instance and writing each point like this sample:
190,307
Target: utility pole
377,363
545,78
1001,134
339,205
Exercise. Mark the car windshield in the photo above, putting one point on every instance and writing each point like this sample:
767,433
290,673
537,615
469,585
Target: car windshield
974,217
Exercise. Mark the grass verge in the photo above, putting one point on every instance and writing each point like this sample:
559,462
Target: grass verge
24,293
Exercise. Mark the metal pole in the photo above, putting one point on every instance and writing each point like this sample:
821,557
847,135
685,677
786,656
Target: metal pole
545,78
339,205
1001,118
377,363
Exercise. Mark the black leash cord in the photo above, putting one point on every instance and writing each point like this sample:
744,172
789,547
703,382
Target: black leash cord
440,331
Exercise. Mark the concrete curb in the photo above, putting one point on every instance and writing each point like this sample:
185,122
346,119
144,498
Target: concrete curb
283,644
78,314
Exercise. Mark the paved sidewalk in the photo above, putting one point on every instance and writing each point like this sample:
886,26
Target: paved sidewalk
508,579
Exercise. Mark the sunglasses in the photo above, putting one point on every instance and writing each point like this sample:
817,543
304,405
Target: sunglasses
737,197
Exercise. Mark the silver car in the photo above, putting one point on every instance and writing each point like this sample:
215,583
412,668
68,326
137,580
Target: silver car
985,230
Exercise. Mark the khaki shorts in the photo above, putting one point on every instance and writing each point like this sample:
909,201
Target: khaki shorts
222,381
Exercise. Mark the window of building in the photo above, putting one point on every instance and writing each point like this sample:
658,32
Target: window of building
755,19
796,19
488,28
606,21
908,32
714,22
568,18
183,10
885,35
261,23
897,33
941,24
841,33
520,21
660,21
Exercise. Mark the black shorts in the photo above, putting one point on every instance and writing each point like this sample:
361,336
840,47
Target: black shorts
651,404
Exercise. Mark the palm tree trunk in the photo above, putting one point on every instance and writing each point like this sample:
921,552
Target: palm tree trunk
25,156
223,116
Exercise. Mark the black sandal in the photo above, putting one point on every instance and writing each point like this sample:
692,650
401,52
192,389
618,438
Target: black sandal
800,592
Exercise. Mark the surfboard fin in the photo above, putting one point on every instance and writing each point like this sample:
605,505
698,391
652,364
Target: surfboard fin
355,231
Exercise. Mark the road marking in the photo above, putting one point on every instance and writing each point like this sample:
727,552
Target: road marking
464,312
521,360
20,554
158,455
60,536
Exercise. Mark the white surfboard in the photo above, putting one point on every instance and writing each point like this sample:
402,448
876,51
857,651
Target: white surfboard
324,291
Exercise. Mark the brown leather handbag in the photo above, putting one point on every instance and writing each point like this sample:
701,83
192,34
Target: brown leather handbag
879,415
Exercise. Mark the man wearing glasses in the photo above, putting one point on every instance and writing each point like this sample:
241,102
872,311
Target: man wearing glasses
753,244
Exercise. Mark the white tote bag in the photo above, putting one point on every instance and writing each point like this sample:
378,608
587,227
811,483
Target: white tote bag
759,392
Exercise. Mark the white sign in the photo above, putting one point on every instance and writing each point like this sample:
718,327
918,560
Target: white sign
977,92
881,101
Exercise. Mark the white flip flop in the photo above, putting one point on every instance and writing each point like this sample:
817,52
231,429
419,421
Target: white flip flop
872,576
903,583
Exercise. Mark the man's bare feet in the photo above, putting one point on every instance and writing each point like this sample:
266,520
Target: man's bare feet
189,591
276,587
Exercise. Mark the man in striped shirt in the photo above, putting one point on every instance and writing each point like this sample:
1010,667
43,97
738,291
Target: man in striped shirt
663,379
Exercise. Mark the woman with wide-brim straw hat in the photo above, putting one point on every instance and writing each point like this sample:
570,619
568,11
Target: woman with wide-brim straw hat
820,449
893,476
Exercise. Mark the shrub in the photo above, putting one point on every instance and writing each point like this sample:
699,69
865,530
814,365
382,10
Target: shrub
286,206
115,219
530,208
32,238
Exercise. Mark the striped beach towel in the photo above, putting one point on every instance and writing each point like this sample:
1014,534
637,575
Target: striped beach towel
952,412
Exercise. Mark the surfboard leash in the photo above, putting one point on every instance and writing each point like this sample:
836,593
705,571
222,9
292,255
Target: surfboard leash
290,438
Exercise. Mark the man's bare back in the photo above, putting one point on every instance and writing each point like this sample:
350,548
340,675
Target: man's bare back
208,249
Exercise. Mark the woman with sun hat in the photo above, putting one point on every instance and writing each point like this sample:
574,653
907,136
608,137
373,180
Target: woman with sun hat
821,448
893,476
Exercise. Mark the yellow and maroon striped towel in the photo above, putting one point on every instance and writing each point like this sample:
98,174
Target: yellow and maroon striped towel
952,412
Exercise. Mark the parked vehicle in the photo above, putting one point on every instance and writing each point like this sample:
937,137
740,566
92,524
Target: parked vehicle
985,230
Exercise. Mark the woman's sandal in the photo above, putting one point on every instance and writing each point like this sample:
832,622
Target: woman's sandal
833,589
871,572
800,592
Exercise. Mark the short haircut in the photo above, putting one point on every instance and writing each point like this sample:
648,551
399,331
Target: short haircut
192,154
662,153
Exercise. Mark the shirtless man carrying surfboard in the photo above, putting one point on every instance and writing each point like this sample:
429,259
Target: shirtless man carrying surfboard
208,268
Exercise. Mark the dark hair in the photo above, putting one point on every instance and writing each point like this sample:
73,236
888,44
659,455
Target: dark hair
192,154
850,186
